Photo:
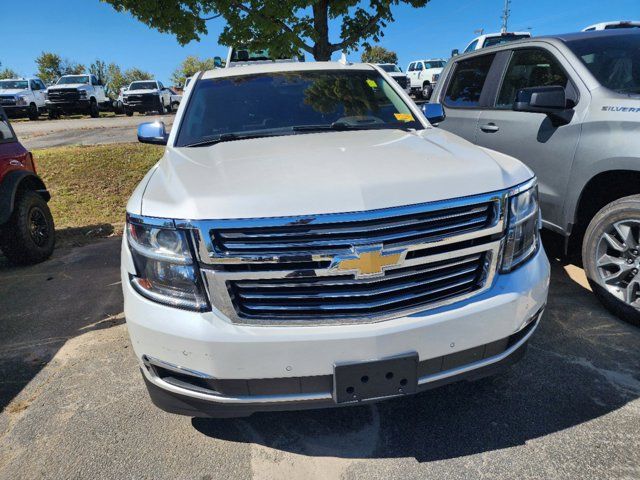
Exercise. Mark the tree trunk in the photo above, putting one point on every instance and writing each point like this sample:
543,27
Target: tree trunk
321,48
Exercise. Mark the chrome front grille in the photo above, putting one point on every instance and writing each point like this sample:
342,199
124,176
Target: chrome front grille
289,270
346,297
342,232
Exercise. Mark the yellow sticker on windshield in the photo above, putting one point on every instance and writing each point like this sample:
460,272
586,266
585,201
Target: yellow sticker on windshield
404,117
372,83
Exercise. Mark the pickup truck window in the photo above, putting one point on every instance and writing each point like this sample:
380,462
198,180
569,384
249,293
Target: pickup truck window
468,81
529,68
143,86
434,64
292,102
14,84
493,41
614,61
71,79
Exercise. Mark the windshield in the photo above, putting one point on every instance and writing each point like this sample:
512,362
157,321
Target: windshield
292,102
614,60
491,41
389,67
14,84
143,86
433,64
73,79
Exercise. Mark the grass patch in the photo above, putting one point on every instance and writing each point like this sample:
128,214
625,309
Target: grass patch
90,186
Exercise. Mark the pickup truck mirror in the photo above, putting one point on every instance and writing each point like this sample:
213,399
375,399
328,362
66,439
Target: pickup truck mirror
434,112
217,62
152,132
549,100
455,52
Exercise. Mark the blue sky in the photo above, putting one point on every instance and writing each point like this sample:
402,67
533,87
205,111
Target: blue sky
83,30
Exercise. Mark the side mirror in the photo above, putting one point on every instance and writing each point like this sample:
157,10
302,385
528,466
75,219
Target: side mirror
217,62
551,101
152,132
434,112
455,52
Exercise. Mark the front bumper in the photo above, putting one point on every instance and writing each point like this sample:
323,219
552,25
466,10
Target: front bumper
466,339
143,103
67,105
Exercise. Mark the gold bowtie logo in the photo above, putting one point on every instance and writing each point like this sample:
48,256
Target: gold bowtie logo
370,261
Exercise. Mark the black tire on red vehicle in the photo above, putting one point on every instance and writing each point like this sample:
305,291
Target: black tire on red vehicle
611,257
29,235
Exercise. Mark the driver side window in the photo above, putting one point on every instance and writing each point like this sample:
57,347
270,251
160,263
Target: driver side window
530,68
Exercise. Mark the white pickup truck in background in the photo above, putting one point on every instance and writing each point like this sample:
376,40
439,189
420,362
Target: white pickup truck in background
147,96
77,94
423,76
23,96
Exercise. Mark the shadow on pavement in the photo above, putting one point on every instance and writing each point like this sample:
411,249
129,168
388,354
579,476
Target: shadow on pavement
582,363
42,306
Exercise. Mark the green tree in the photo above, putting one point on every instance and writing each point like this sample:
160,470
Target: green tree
378,54
283,26
189,67
7,73
100,70
135,74
52,66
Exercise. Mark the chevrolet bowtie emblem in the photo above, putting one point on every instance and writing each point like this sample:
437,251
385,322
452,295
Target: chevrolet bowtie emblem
367,261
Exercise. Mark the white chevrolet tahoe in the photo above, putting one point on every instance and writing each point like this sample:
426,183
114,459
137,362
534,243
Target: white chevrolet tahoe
147,96
309,240
76,94
22,96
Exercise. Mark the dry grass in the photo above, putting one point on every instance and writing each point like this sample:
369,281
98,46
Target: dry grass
90,186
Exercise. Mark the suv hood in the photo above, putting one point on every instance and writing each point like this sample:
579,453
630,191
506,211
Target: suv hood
321,173
13,91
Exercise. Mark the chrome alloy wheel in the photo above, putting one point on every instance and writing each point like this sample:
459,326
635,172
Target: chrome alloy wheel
618,261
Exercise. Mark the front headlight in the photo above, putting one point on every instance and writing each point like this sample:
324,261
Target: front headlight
22,100
165,270
523,228
82,93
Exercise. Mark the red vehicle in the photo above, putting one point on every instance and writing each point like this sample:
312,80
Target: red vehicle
27,233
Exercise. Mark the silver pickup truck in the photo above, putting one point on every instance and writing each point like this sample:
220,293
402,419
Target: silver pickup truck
568,106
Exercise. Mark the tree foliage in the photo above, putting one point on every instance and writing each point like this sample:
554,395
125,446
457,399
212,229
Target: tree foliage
378,54
52,66
189,67
285,27
7,73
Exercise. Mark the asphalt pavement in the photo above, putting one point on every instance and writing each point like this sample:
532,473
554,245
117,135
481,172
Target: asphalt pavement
74,405
83,131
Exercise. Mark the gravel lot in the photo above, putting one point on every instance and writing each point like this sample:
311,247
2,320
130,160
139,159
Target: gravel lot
74,405
83,131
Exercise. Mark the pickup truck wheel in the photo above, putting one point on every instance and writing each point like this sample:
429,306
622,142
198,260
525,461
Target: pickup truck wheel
94,111
611,257
34,113
169,107
427,90
53,114
128,113
29,236
161,109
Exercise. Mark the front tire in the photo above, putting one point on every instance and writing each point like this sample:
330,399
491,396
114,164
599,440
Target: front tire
169,107
161,109
33,113
611,257
94,111
29,235
427,90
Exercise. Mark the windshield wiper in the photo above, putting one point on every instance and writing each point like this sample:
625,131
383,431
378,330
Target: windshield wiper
341,127
230,137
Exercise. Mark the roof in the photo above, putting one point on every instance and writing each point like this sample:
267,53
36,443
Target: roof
284,67
567,37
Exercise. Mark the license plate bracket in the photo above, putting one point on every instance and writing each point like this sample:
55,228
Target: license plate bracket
355,382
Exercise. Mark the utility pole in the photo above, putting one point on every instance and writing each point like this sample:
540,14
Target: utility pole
505,16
